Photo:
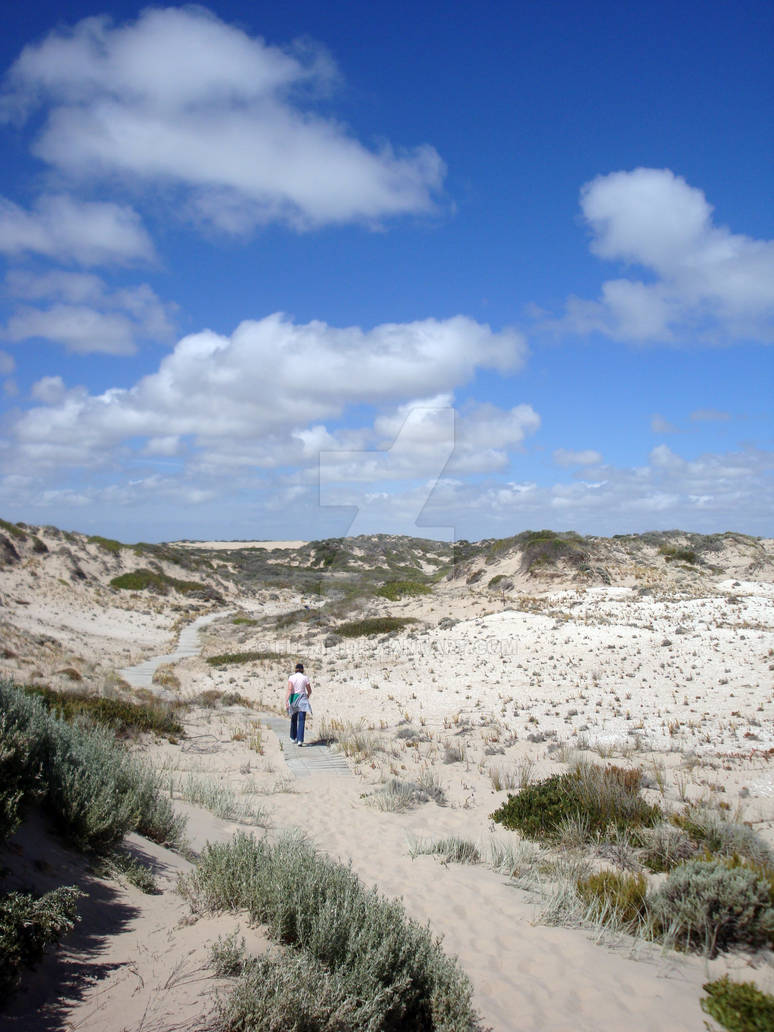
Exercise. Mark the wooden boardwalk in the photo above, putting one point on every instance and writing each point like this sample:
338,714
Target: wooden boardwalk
314,758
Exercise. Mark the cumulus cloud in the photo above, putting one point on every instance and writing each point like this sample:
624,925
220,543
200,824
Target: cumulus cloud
181,98
703,282
270,381
68,230
84,315
706,494
567,457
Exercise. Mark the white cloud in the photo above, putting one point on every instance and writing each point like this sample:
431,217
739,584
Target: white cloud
715,492
253,391
49,390
659,425
7,363
69,230
703,281
709,415
181,98
566,457
85,316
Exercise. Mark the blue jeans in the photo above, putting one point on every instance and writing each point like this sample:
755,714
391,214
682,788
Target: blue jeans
297,722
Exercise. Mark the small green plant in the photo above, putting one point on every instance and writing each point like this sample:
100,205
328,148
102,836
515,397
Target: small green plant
739,1006
121,865
245,620
229,956
28,925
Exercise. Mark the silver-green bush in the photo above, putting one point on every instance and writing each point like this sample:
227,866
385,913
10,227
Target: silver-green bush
711,906
92,787
366,941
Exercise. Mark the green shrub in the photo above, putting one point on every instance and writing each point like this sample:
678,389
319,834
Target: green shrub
614,897
28,925
230,658
600,796
247,620
350,937
106,544
739,1006
397,589
373,625
711,906
141,580
673,554
121,716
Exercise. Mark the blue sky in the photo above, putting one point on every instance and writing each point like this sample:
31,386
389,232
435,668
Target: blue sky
455,270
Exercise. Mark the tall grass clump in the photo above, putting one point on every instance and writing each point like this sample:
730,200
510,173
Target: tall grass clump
93,789
739,1006
351,943
219,799
614,899
600,796
452,850
710,829
710,905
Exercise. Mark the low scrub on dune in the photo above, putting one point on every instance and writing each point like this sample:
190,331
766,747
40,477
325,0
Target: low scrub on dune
397,589
355,960
124,718
233,658
144,580
600,797
373,625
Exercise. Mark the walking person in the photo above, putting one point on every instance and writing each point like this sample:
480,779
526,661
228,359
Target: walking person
297,703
